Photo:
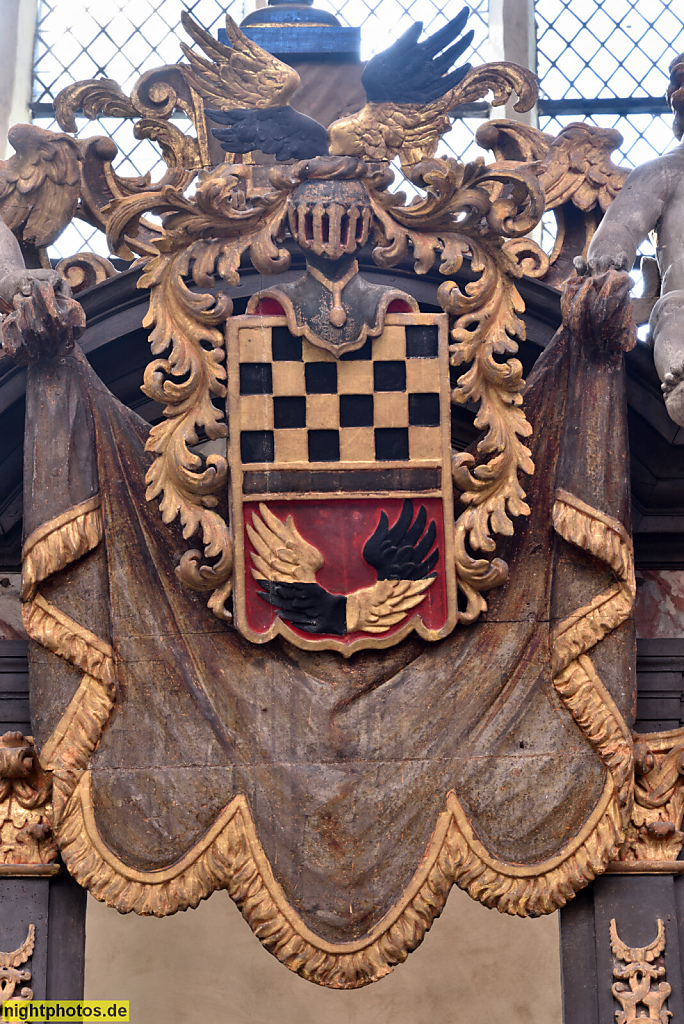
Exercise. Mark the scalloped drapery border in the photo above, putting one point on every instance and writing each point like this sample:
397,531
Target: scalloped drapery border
230,855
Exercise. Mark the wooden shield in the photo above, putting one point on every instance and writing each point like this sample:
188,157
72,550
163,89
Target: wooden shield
341,492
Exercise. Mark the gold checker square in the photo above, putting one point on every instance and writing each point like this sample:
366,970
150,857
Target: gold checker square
425,443
355,378
288,378
314,354
357,444
290,446
254,344
322,412
422,376
390,409
256,412
391,344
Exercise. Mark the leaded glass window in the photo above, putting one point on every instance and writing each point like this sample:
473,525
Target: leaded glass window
120,39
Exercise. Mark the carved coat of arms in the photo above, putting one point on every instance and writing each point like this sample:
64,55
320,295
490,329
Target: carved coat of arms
342,524
289,642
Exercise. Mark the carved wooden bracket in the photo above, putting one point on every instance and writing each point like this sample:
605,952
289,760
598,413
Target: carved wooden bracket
653,838
25,804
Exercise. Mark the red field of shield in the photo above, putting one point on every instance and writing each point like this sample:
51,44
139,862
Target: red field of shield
339,528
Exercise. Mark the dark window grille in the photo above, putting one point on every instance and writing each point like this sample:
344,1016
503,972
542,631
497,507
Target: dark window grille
121,39
606,62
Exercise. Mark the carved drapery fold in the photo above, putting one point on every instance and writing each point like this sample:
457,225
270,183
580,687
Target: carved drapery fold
231,857
606,539
60,542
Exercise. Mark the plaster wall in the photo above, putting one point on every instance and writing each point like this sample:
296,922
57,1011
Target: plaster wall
659,607
475,966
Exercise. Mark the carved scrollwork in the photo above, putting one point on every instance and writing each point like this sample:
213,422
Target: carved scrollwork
576,172
466,211
101,97
85,270
644,974
11,974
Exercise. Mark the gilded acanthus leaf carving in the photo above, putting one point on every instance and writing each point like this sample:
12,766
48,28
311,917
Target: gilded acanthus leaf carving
189,373
466,211
94,98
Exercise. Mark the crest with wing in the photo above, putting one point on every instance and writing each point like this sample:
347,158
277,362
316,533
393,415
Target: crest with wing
341,497
411,87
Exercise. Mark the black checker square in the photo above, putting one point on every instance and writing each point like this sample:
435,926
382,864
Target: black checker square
289,411
389,375
423,410
321,378
285,347
391,444
257,446
256,379
422,341
356,410
324,446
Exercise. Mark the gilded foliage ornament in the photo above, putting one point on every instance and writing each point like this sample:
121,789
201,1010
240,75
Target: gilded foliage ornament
465,211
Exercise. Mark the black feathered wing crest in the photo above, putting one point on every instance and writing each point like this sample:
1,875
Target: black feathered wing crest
281,131
403,84
413,72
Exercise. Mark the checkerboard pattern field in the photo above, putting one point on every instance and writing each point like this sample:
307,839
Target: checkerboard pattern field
300,405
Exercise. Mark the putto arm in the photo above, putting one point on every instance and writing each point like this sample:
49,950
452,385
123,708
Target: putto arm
634,213
15,279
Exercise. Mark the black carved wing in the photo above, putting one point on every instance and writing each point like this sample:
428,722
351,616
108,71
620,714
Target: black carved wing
413,72
306,605
403,551
282,131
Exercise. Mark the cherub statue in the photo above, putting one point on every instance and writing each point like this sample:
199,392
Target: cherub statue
652,200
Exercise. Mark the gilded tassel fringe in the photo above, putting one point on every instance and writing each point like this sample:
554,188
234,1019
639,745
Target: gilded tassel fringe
60,542
606,539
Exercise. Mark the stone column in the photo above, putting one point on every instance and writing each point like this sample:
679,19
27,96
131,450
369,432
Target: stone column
513,37
18,23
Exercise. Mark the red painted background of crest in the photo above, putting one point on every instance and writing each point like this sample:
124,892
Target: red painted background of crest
339,528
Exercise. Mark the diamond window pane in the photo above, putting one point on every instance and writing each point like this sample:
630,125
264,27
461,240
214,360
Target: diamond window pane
80,39
121,39
607,48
